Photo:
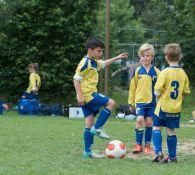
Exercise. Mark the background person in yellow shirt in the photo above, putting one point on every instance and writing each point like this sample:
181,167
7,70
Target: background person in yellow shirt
171,85
142,98
85,82
34,82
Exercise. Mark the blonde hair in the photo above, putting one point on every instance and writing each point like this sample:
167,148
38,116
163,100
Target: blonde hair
173,52
146,47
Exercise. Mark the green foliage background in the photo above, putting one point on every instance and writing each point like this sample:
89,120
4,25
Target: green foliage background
53,33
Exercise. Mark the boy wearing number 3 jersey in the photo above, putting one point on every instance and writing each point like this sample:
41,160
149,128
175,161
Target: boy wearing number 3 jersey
170,87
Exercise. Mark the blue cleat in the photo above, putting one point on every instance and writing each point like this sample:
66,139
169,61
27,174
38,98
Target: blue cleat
92,155
169,160
99,132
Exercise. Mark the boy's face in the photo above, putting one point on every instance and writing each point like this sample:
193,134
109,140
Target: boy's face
96,53
146,58
30,69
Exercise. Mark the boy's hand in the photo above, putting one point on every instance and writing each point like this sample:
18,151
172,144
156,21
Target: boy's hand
132,109
122,56
80,100
111,60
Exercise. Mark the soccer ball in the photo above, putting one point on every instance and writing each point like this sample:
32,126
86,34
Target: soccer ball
116,149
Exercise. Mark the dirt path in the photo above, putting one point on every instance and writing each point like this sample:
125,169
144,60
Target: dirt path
185,147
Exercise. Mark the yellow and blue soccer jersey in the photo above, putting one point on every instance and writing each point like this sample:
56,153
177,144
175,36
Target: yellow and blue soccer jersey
141,92
34,82
87,74
172,83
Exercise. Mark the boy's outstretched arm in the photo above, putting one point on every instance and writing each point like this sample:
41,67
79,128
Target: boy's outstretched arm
112,60
80,98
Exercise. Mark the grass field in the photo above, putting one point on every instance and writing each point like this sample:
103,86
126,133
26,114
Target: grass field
53,145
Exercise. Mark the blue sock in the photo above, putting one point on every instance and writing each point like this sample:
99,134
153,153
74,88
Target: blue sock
139,135
148,135
157,141
172,145
91,139
103,117
88,139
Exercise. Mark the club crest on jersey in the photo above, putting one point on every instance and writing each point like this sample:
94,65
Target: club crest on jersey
139,76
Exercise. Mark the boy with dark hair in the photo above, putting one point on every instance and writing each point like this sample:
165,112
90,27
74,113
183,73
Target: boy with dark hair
85,82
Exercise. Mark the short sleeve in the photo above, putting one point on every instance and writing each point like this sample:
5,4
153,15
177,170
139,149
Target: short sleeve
186,86
160,84
133,87
101,64
157,71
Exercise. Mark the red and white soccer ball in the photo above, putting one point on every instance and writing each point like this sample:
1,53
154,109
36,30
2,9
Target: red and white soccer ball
116,149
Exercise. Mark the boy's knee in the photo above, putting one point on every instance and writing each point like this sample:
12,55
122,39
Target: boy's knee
140,119
111,103
148,123
140,122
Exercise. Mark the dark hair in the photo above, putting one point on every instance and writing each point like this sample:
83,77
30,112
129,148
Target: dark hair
34,66
94,42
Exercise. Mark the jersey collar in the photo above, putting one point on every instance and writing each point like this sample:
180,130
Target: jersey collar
174,66
93,62
149,69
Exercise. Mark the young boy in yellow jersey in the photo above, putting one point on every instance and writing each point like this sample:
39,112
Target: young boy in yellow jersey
34,82
171,85
142,98
85,82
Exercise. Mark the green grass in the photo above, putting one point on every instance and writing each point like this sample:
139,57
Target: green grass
53,145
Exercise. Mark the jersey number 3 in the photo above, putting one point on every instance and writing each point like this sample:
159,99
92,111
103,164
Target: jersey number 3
175,93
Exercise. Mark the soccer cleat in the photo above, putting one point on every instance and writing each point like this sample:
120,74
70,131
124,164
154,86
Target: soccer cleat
159,157
92,155
99,132
168,160
137,149
147,149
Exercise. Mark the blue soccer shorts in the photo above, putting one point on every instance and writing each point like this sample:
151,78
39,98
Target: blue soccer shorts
168,120
143,111
93,106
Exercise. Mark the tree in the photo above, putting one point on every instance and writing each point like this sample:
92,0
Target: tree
139,5
124,28
176,19
49,32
